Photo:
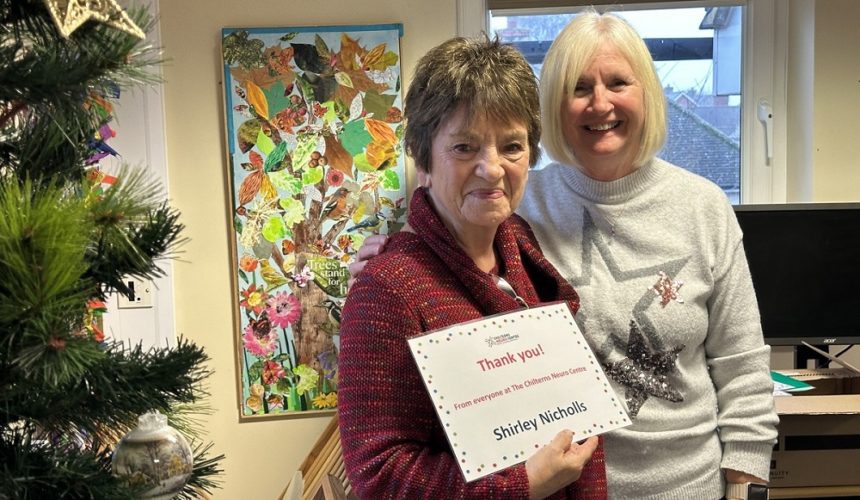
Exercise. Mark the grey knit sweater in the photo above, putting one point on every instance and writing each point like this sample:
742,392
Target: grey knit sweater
669,308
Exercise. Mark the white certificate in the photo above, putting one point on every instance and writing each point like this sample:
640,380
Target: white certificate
505,385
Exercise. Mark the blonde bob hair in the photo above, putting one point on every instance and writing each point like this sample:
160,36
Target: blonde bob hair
571,53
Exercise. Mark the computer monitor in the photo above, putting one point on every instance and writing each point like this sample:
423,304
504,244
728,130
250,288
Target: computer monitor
805,265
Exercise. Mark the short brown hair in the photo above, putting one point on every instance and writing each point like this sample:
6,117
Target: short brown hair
480,74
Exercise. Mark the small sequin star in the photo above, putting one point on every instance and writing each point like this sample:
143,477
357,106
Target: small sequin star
644,372
667,289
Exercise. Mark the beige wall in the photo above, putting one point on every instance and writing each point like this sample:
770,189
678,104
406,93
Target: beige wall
261,456
836,138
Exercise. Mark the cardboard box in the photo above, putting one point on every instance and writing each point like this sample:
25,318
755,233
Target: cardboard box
826,381
819,431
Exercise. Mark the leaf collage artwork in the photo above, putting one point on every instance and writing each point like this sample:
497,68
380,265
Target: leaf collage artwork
316,165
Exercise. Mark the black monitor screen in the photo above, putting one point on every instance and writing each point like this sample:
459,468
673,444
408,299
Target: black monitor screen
805,266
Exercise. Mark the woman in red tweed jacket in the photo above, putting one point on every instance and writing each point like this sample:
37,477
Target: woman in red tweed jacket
473,131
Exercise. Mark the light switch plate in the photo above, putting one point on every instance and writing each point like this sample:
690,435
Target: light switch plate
140,297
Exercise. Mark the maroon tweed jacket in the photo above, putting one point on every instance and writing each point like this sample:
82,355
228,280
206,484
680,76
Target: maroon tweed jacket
393,444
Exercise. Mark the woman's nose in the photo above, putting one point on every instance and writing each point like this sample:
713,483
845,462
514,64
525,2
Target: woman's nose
600,101
489,164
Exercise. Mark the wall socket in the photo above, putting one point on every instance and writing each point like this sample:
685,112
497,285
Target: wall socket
140,296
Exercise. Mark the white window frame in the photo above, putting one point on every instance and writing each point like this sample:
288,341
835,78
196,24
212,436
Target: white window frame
764,78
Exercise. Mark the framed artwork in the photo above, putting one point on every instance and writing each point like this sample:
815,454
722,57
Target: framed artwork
313,125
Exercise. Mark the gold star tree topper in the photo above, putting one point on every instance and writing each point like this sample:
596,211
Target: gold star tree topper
69,15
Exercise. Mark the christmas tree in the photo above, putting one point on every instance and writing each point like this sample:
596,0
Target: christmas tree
69,234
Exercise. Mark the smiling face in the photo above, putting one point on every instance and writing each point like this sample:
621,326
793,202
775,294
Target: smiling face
603,117
477,173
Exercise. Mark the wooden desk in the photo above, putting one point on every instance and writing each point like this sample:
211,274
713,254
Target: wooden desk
816,492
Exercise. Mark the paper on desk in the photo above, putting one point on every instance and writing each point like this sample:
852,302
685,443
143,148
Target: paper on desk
783,385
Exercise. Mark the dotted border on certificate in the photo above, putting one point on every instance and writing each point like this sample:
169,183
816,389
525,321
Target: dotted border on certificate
422,349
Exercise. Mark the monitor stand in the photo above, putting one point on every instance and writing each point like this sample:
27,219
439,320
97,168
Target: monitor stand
805,357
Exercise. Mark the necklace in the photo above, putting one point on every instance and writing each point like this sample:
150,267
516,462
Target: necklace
506,287
613,221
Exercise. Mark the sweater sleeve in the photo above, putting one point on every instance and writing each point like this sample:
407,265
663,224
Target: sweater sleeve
739,362
390,433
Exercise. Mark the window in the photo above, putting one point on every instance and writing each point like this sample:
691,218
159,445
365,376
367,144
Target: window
716,62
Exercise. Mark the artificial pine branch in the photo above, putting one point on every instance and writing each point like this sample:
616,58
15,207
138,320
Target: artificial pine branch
45,79
97,412
114,391
43,242
133,228
65,399
205,468
42,468
48,144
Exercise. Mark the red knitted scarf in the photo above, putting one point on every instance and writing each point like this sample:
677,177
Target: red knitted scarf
532,277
